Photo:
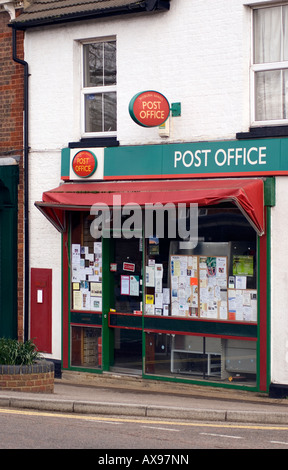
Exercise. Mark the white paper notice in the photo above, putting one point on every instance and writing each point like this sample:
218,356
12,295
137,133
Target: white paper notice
125,285
240,282
158,300
166,295
76,253
150,276
134,285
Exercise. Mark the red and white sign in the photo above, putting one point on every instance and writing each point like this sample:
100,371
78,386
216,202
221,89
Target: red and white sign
129,267
84,163
149,108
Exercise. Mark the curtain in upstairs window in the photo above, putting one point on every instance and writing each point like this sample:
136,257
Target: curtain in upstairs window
271,47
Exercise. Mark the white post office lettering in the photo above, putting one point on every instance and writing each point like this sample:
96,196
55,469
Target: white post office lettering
188,158
252,156
232,156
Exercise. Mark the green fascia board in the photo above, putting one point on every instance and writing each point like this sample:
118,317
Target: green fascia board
265,158
133,160
261,157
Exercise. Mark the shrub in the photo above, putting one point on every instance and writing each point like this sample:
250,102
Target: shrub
13,352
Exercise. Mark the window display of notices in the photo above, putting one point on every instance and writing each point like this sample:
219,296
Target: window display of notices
86,277
242,305
158,300
199,286
199,289
213,287
184,286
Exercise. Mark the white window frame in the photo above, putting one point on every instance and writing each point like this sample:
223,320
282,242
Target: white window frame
97,90
263,68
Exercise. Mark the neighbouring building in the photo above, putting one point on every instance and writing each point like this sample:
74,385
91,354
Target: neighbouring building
158,166
12,244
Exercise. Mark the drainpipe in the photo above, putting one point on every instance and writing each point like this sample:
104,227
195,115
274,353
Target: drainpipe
26,179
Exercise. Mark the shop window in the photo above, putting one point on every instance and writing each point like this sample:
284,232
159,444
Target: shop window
86,347
200,357
99,80
214,279
270,65
86,266
210,281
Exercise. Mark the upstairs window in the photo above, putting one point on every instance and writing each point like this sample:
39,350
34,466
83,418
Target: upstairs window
270,65
99,89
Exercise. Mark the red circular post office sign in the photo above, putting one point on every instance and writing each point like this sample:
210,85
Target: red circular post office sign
149,108
84,163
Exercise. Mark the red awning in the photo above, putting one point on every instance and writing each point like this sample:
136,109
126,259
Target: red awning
246,194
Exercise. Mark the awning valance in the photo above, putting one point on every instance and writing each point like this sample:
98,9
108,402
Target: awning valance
246,194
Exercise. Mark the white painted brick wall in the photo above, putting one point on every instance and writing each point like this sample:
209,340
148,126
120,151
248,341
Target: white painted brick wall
197,53
45,240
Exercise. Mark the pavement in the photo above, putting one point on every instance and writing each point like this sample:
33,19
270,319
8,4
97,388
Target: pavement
131,396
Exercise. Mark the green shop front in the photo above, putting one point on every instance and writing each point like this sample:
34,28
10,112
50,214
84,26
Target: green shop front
140,294
9,179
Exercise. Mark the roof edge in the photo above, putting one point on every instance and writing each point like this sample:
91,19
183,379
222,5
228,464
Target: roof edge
147,6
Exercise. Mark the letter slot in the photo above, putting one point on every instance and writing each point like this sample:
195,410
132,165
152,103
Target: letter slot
39,296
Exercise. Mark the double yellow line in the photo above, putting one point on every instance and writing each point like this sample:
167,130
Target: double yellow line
141,420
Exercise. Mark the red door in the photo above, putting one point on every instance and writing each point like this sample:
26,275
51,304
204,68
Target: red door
41,309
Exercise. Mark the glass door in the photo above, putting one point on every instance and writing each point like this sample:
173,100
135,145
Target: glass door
126,304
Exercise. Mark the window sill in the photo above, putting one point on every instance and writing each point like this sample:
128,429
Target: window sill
263,132
95,142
